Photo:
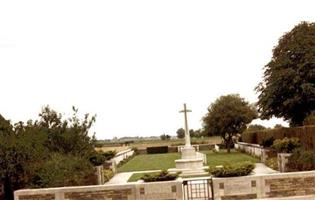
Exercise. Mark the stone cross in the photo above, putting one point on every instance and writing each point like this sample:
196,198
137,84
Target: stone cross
187,135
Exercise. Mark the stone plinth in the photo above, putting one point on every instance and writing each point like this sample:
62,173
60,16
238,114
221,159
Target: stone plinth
189,164
188,152
196,163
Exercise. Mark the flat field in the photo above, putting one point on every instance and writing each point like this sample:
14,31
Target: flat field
142,144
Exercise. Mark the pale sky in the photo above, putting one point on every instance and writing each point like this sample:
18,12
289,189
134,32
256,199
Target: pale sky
134,63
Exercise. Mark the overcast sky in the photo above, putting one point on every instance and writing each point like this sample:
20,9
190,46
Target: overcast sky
134,63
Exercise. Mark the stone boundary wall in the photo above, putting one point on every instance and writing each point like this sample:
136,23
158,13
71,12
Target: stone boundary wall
280,185
252,149
170,190
120,156
265,186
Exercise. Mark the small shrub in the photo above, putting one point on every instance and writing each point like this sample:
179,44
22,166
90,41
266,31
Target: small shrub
272,163
286,145
159,149
109,155
162,176
242,169
97,159
135,150
302,160
108,174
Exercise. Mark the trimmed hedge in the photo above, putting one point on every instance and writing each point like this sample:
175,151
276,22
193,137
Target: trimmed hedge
159,149
306,135
162,176
240,169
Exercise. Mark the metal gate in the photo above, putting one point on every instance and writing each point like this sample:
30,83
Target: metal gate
198,189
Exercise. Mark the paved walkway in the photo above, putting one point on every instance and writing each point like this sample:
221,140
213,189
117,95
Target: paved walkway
121,178
261,168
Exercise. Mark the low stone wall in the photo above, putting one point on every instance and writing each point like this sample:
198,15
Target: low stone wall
265,186
120,156
252,149
247,187
170,190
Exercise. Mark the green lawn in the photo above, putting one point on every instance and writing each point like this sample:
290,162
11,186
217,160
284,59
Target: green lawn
166,161
150,162
222,158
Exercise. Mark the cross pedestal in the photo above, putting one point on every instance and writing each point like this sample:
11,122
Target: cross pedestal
191,162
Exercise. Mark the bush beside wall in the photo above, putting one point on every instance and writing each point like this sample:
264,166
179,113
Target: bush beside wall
306,135
240,169
161,176
302,160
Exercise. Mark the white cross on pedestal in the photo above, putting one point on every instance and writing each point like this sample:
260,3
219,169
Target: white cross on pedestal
187,135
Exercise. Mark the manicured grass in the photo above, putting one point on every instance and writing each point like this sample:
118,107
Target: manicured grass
223,158
165,161
150,162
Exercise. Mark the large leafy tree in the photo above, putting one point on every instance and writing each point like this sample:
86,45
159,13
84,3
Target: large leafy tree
29,151
227,116
67,136
288,87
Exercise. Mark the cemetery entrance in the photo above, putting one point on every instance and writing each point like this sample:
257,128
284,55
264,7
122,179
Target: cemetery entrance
198,189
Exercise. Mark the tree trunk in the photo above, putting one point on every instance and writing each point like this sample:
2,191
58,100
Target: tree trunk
228,146
228,142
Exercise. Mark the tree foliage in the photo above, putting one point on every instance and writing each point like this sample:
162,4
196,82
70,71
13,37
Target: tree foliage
63,170
227,116
26,149
288,87
309,120
165,137
255,127
180,133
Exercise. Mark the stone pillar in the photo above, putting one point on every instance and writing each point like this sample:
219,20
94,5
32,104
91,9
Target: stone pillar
99,173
